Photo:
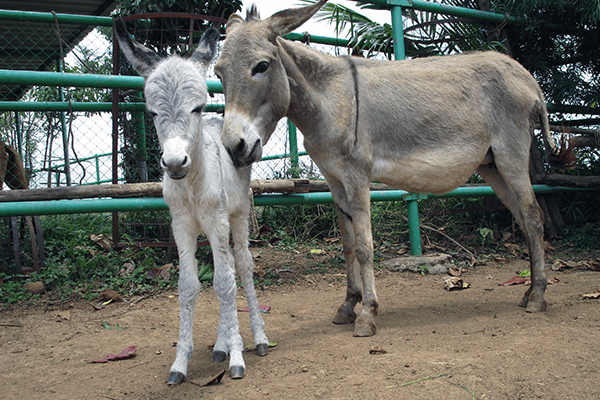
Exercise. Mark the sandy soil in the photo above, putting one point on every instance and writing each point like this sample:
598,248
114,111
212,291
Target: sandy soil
470,344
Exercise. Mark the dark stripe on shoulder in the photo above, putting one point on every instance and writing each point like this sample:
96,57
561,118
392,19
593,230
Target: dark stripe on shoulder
354,72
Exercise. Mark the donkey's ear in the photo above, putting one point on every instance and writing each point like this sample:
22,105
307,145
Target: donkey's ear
285,21
233,23
140,57
207,48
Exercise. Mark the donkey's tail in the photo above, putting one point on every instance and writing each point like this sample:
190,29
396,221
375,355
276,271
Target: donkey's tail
558,156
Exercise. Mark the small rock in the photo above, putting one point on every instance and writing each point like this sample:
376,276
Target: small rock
35,287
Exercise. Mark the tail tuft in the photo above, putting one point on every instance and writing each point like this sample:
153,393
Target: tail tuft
564,157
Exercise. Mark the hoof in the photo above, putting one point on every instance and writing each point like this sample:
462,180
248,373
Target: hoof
236,372
175,378
523,302
262,349
344,316
364,328
536,306
219,357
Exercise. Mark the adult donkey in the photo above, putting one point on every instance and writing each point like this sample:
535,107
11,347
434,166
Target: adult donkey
422,125
204,192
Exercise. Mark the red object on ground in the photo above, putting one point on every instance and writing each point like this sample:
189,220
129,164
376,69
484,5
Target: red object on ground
127,353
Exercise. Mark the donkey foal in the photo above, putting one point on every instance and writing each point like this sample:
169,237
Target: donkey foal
204,192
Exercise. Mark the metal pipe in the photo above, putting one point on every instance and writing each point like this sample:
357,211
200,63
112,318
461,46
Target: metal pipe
8,209
17,77
15,15
85,107
440,9
294,161
398,33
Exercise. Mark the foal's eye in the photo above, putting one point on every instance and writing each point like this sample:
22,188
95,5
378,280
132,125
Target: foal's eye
260,67
152,114
197,110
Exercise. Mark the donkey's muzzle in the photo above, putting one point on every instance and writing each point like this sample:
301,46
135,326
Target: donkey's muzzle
176,167
242,155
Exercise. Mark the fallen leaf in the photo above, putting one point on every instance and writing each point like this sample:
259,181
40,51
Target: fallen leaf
402,250
455,283
103,241
593,295
263,309
377,350
108,295
66,315
456,271
210,381
516,280
316,251
512,248
251,347
161,272
127,353
331,240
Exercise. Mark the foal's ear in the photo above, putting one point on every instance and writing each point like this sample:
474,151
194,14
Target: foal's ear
285,21
207,48
140,57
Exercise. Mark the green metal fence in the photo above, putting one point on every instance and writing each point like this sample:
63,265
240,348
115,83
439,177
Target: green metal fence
54,160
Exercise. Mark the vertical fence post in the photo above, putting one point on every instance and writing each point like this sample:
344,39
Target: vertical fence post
96,159
63,124
140,131
412,207
294,161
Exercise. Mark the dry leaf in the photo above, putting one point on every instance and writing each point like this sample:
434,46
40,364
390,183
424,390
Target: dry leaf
127,353
455,283
210,381
103,241
377,350
110,294
593,295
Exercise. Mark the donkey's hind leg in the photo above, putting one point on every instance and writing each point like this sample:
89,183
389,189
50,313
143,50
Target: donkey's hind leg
513,188
189,289
245,269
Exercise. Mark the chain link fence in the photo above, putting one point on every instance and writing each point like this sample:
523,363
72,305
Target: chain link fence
63,136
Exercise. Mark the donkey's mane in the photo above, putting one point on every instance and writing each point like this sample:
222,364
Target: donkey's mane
252,13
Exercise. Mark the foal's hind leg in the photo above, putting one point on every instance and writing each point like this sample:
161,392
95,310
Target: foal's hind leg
229,340
513,188
245,269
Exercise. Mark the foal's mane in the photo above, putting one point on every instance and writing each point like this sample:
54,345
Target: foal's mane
252,13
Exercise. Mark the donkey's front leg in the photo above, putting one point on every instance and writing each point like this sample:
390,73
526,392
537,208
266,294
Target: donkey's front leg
189,289
345,313
229,340
245,269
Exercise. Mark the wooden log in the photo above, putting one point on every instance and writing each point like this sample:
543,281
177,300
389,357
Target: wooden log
154,189
585,141
569,180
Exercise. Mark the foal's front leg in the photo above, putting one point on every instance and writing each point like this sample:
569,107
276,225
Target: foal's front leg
189,289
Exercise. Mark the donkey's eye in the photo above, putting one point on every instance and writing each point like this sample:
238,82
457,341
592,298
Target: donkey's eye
152,114
260,67
198,110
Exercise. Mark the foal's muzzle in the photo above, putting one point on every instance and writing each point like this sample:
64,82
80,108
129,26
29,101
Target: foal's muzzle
176,167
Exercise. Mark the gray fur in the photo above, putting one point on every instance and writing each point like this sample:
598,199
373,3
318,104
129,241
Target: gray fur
422,125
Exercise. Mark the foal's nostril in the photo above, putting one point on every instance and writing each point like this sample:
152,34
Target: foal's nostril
186,161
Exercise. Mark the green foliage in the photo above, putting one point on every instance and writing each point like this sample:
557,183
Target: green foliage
559,42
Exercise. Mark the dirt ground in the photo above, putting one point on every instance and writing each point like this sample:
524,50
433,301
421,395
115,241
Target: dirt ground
470,344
